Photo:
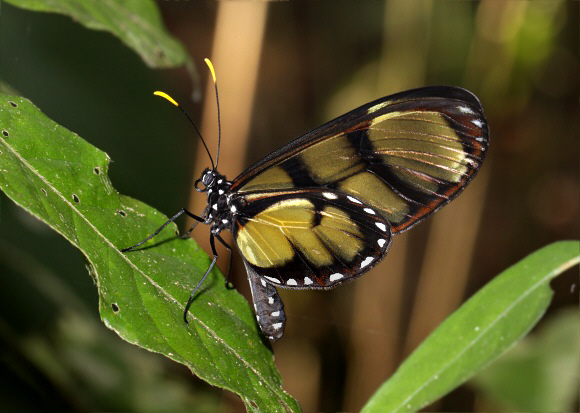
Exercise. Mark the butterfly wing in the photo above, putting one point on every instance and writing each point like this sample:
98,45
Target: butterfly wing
321,210
310,238
404,155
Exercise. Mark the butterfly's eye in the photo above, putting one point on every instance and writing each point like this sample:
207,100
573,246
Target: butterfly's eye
207,178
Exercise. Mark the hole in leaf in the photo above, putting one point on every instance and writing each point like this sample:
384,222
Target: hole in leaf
97,170
5,133
44,191
122,213
13,104
76,198
115,308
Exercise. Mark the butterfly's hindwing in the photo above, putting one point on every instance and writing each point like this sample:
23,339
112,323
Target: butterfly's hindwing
309,239
267,305
405,155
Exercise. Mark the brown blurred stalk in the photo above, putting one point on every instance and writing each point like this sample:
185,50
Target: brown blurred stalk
236,53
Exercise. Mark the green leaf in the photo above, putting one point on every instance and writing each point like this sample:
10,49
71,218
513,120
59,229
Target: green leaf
540,374
137,23
491,321
61,179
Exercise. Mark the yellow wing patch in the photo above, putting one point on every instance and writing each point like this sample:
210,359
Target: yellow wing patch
262,240
340,233
269,238
332,159
273,178
419,141
375,192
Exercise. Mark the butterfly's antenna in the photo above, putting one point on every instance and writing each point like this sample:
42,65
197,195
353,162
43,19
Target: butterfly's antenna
210,65
170,99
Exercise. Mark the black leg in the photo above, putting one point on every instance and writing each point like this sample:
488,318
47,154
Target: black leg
225,244
173,218
192,295
190,230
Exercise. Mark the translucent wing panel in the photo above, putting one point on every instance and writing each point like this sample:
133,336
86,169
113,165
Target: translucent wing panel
419,141
309,238
405,155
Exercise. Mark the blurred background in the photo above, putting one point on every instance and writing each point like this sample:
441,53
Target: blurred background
285,68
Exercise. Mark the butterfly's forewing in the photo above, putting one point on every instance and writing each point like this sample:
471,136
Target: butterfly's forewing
405,155
311,238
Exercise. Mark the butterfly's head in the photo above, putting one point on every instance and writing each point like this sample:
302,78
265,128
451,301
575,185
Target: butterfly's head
208,179
211,179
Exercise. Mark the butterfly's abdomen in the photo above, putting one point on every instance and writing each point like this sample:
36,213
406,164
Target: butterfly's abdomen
267,305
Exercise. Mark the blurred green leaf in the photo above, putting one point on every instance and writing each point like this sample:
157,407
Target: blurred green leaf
540,374
62,180
137,23
491,321
88,368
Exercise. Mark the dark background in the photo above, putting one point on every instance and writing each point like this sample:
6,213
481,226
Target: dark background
316,61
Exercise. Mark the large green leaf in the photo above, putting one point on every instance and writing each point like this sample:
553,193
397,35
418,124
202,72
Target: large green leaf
491,321
62,180
136,22
540,374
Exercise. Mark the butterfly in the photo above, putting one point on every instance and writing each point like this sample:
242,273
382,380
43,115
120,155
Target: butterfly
322,209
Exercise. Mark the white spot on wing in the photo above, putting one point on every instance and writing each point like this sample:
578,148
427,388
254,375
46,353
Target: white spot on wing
274,280
381,242
356,201
381,226
275,313
263,283
270,300
369,211
366,262
233,208
336,276
465,109
291,281
307,281
329,195
477,123
277,326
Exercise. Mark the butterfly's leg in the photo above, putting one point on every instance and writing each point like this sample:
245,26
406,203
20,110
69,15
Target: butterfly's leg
225,244
173,218
192,295
190,230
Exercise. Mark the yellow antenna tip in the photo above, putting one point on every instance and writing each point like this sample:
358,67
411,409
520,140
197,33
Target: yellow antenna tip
210,65
165,96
